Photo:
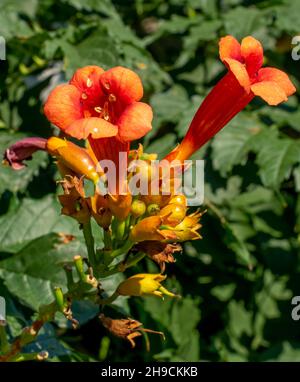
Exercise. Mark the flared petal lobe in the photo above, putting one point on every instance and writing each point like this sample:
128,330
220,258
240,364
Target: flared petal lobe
270,92
253,54
123,83
63,106
96,127
135,121
229,47
279,77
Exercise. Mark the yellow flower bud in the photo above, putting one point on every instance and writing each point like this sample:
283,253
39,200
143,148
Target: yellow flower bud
173,214
74,157
144,284
138,208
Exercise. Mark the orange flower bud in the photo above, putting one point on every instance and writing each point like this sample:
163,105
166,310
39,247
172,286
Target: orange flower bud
101,213
74,157
149,229
178,199
144,284
120,205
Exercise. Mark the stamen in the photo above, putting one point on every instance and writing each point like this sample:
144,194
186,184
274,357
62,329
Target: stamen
98,109
107,86
84,96
112,98
89,83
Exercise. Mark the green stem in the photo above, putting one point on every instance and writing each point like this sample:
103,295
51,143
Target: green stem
107,239
123,250
134,260
89,241
110,299
4,344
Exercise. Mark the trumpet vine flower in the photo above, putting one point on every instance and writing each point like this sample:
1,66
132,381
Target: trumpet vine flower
245,79
103,107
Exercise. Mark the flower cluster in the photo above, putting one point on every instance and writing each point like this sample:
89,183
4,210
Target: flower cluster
103,110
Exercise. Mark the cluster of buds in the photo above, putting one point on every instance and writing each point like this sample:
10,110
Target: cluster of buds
103,109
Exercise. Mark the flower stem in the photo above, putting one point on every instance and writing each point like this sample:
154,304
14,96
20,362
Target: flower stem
123,250
4,344
89,241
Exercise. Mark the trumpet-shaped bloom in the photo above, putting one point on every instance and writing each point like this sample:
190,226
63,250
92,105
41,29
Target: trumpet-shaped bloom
244,80
100,104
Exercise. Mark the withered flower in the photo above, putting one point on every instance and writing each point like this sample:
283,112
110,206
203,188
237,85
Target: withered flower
73,200
126,328
159,252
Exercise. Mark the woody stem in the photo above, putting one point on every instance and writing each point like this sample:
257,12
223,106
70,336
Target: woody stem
89,241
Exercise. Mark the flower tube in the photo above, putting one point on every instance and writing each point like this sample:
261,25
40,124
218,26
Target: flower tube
244,80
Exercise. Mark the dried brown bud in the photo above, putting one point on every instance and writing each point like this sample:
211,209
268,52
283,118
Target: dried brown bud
159,252
126,328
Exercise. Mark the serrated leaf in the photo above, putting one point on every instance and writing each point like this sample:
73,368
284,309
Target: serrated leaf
275,159
231,146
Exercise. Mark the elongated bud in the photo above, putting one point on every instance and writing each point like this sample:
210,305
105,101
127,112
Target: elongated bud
147,229
59,298
74,157
144,284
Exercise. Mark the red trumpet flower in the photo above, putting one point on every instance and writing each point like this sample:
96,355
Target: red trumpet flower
99,105
233,92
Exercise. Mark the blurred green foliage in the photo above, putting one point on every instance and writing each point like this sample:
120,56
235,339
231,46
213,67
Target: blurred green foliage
237,283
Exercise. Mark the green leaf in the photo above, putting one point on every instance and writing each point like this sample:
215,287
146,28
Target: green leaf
276,157
31,219
32,273
236,244
232,145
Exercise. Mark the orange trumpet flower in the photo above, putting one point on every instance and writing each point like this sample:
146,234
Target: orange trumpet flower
102,106
244,80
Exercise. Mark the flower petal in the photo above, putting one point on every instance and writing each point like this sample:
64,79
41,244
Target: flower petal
278,76
87,80
269,91
253,54
135,121
229,47
123,83
239,71
63,106
97,127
